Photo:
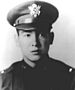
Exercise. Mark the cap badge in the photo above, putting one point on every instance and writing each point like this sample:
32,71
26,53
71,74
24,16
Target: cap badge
34,10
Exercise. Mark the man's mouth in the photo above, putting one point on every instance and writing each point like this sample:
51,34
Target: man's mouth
36,52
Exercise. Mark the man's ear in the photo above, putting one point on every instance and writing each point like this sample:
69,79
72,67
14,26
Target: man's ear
51,37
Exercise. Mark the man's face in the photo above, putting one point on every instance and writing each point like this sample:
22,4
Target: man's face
34,43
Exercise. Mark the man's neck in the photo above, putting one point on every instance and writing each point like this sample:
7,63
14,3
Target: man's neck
30,63
34,64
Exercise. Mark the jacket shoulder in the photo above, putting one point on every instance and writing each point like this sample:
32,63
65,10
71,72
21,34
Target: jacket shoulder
73,81
6,71
6,76
11,68
66,71
63,66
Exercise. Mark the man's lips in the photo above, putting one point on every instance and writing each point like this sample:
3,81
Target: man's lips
35,51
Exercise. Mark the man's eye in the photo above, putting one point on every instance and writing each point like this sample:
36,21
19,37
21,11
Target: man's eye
43,35
27,35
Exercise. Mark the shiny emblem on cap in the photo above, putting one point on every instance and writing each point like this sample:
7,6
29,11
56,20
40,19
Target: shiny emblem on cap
34,10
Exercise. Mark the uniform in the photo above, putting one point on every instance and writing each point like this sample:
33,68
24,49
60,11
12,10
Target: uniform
49,74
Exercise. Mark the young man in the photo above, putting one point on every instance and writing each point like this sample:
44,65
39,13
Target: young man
37,71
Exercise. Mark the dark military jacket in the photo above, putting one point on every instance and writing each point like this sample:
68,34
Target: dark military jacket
48,74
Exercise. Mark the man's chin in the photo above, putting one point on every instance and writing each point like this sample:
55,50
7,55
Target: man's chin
35,57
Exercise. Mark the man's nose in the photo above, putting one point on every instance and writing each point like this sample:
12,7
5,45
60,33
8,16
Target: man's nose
36,40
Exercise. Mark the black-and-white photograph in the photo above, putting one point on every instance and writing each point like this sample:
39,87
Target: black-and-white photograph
37,45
